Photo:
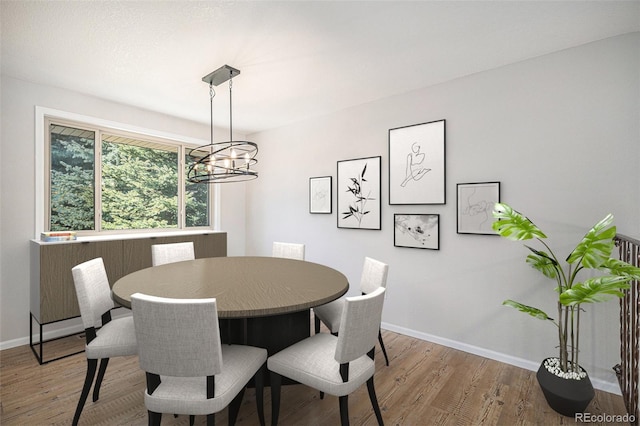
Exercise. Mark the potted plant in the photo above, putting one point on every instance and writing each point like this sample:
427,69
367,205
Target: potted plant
565,384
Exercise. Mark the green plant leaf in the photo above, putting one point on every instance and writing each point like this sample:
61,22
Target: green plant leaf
596,246
543,262
534,312
513,225
595,290
618,267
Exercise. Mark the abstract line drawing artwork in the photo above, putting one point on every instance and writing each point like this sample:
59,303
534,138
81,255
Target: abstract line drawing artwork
475,204
359,193
320,194
417,164
414,170
417,231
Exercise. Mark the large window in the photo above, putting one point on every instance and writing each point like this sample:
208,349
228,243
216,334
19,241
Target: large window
103,180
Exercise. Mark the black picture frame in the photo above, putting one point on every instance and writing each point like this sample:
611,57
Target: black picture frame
417,169
474,207
358,193
413,230
320,196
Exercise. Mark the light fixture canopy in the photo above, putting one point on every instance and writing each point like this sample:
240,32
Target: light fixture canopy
220,162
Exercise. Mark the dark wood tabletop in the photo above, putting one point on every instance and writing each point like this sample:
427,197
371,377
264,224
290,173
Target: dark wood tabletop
245,287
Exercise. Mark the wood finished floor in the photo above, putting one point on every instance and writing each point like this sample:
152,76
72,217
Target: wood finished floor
426,384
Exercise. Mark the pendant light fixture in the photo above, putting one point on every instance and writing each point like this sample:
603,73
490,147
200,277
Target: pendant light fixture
220,162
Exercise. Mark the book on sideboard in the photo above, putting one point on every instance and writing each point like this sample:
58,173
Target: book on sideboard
58,236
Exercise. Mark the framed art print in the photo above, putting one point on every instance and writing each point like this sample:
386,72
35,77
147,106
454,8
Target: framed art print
475,206
320,194
416,231
417,164
358,199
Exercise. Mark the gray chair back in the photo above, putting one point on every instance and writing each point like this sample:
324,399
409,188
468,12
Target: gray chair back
374,275
173,252
288,250
93,291
177,337
359,325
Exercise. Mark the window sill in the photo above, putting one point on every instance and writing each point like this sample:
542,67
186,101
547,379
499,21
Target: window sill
130,236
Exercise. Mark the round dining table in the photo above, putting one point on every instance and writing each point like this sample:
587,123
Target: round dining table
262,301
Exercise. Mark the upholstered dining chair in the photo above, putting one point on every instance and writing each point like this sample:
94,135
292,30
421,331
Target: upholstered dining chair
188,370
374,276
337,365
173,252
288,250
105,337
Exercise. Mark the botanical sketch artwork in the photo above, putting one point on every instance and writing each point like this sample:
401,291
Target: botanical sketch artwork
417,230
359,193
320,194
361,196
417,164
475,204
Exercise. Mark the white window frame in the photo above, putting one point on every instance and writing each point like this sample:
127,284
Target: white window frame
41,168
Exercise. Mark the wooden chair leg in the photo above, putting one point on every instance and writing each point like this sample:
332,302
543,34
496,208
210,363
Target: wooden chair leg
154,418
259,382
192,420
92,365
211,419
384,351
344,410
234,407
103,368
374,401
276,382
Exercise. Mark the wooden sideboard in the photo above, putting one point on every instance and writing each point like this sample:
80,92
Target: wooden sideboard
53,295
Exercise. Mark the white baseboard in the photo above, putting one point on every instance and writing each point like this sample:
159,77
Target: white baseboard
603,385
60,329
46,335
606,386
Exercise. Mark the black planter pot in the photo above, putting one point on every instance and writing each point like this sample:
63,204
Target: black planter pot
566,396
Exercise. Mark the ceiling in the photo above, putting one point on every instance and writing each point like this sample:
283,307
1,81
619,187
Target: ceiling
298,59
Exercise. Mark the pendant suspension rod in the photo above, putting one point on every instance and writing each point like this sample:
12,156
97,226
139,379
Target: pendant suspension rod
211,95
230,107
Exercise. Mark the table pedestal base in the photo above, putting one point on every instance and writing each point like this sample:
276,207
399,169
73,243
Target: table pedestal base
274,333
278,332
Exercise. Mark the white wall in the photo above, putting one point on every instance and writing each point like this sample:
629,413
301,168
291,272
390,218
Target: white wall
561,134
17,186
